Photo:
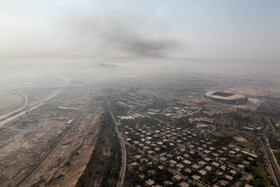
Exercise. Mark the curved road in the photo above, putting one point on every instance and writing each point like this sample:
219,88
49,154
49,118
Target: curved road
5,118
23,110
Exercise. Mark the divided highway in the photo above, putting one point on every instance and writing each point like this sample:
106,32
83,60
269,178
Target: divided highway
25,109
4,118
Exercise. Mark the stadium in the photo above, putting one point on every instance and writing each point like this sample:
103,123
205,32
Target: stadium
226,97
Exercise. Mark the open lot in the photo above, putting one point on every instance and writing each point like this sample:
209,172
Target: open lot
61,131
9,101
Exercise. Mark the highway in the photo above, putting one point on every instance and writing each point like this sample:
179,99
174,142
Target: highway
25,109
10,114
123,150
272,160
276,170
268,163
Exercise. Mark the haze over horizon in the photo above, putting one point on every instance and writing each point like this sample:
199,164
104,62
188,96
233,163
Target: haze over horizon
145,36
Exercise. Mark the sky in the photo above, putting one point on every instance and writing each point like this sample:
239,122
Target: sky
212,33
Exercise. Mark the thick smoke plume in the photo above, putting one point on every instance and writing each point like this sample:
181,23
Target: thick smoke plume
123,37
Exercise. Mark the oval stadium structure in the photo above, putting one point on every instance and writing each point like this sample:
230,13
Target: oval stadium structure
226,97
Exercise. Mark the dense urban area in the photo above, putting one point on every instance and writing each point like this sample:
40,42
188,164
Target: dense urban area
180,132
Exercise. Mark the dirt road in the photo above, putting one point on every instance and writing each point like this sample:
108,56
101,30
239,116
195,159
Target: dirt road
67,160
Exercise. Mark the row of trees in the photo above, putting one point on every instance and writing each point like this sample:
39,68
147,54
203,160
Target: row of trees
101,167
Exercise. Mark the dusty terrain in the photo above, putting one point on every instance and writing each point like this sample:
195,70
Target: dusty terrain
47,138
66,162
9,102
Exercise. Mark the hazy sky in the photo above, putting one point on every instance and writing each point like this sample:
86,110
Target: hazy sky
238,31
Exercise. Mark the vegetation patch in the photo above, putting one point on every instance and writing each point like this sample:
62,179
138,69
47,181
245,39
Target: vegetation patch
104,165
277,156
259,176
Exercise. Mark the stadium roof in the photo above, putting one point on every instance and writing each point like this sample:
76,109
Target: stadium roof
224,95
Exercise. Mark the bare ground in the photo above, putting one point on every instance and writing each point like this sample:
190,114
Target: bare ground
9,102
67,161
27,140
23,143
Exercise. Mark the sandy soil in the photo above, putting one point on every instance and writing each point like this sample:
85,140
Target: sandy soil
26,141
8,102
248,91
68,160
23,143
34,95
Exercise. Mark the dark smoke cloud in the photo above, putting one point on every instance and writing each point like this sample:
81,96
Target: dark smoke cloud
122,36
147,47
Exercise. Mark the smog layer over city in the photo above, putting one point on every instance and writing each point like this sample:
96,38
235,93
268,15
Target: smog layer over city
139,93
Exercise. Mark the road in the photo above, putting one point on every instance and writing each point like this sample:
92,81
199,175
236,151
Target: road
272,160
269,129
53,149
25,109
123,150
10,114
273,167
268,162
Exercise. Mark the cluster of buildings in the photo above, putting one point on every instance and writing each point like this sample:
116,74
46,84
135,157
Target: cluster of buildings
176,112
187,154
167,153
136,100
